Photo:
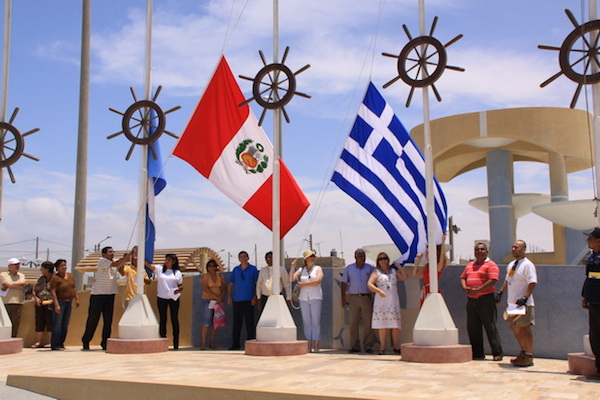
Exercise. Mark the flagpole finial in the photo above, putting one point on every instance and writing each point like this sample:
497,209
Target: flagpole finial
148,118
266,92
415,57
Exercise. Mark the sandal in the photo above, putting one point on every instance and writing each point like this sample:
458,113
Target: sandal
397,351
381,352
36,345
497,358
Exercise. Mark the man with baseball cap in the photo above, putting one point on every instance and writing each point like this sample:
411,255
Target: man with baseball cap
12,282
591,295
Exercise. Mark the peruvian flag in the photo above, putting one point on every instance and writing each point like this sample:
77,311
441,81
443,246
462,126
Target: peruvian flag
225,144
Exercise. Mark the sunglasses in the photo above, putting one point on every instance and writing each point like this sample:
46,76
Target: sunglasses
382,258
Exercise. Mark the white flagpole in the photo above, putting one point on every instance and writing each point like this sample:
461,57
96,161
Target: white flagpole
430,206
5,65
143,200
593,11
276,289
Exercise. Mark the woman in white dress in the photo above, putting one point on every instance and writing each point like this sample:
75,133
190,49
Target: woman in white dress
386,305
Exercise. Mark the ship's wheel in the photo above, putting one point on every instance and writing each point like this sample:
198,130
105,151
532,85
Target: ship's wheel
13,145
579,49
415,58
274,86
143,123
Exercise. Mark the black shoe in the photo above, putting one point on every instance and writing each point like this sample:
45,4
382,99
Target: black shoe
369,351
86,346
234,348
353,350
398,351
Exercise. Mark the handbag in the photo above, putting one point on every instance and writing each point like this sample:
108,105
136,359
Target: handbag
219,318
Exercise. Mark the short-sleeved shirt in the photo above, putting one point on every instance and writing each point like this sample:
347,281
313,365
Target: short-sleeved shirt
478,274
357,278
167,282
14,295
106,278
130,284
517,284
64,287
244,283
42,288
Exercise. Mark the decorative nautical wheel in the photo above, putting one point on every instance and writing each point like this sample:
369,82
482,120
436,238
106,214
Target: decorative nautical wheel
587,35
266,92
143,123
13,144
414,58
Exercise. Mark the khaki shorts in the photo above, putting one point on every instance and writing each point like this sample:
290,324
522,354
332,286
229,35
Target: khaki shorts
521,321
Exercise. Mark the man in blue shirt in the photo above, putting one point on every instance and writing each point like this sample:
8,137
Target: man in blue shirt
242,295
356,294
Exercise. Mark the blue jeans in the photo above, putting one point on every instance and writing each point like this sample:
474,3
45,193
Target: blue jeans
311,318
60,324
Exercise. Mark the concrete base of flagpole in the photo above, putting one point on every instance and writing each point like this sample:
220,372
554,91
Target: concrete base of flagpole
276,332
138,330
435,336
11,346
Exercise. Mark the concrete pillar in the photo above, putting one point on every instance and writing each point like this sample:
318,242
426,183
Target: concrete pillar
501,214
567,242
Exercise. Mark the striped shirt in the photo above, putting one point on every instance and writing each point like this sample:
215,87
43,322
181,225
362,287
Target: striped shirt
106,278
478,274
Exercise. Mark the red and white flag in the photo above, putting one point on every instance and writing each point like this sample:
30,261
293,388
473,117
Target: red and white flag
225,144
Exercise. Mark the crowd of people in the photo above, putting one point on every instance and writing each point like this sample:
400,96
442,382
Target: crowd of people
369,292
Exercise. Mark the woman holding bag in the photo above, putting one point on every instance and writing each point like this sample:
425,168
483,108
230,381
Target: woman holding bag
213,294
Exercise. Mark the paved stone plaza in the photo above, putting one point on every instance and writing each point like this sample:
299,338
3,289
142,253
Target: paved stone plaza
226,374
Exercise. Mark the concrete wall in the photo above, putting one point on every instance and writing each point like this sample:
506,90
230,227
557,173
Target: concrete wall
560,320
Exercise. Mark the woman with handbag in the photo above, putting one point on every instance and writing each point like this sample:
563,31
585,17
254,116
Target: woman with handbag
213,294
43,305
311,297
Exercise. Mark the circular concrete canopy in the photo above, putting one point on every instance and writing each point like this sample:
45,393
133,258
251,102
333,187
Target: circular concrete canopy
522,202
574,214
460,142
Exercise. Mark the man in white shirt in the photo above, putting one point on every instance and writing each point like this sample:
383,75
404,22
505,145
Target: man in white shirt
102,299
520,282
13,282
264,284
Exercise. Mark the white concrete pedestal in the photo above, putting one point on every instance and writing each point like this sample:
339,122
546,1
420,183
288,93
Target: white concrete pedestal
138,330
276,332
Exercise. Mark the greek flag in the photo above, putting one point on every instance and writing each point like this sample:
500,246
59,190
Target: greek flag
382,169
156,183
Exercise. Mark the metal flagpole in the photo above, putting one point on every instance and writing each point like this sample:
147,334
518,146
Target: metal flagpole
5,65
276,289
593,11
430,206
143,200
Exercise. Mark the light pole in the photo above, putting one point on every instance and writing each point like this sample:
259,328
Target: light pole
97,246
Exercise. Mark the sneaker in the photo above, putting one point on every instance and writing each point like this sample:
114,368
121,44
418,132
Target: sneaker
353,350
526,361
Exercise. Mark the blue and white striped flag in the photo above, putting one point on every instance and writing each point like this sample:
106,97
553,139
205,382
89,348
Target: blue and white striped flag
382,169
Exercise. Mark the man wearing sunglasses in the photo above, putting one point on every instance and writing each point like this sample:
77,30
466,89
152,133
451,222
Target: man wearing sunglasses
520,281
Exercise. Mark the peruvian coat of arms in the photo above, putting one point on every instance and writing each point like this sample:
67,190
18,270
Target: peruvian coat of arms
251,157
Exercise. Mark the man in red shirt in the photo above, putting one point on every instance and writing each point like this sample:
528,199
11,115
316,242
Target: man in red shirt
478,280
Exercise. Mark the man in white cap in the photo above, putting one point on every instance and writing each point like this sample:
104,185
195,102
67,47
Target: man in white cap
13,284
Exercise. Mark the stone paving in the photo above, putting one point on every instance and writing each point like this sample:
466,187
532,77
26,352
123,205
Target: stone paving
327,374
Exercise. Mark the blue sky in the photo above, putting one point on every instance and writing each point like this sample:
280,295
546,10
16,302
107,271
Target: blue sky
499,52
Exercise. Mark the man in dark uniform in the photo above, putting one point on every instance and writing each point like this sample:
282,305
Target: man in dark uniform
591,295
